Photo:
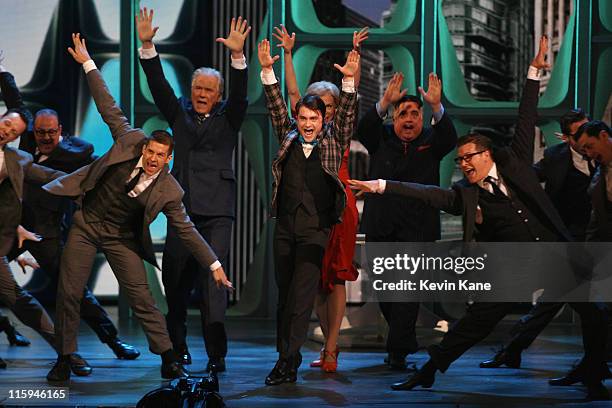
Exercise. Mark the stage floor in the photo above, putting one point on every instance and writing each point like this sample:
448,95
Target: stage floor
362,380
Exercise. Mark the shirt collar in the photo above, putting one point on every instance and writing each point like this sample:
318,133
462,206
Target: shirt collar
492,173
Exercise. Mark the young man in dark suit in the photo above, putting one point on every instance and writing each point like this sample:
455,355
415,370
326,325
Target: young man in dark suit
47,215
120,194
205,130
501,200
307,199
405,151
17,167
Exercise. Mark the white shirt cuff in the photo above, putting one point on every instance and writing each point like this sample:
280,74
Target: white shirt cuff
437,116
534,73
348,85
239,63
147,53
268,78
89,65
215,265
382,185
382,114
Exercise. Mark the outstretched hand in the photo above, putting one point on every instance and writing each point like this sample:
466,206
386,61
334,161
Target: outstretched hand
363,187
351,65
221,279
79,52
25,235
394,91
359,37
285,40
236,37
433,96
24,261
144,27
539,61
263,53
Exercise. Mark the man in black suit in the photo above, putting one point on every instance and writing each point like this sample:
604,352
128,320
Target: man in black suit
205,129
405,151
595,139
119,195
501,200
47,214
567,173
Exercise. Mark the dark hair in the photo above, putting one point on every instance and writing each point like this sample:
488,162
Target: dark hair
312,102
592,129
408,98
23,114
482,142
162,137
573,116
46,112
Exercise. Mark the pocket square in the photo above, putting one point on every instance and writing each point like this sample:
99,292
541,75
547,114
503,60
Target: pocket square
423,147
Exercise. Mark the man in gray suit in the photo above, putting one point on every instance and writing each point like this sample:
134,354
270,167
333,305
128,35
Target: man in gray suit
119,195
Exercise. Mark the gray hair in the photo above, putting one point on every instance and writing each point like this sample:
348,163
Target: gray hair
323,88
211,72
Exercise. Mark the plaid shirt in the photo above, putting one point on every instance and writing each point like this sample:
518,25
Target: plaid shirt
334,139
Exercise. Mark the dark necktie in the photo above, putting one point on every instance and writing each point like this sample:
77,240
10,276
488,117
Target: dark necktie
129,186
496,190
592,168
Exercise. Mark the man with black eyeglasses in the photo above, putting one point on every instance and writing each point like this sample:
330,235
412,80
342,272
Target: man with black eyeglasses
49,215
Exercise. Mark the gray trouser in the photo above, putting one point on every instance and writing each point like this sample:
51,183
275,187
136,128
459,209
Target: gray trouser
121,253
23,305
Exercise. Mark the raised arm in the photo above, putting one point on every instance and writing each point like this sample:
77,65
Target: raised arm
237,102
359,37
107,107
36,174
286,42
445,134
10,91
344,119
523,142
281,122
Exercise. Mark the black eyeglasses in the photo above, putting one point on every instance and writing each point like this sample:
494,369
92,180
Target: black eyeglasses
43,132
467,157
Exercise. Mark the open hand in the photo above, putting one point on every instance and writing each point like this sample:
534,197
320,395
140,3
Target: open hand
286,41
25,235
24,261
79,52
433,96
359,37
263,53
394,91
539,60
351,65
221,279
362,187
236,37
144,27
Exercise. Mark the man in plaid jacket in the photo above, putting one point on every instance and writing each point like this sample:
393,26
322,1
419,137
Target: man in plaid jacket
307,199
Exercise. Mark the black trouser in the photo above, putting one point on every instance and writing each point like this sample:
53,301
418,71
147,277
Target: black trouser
48,253
181,273
481,318
401,317
299,245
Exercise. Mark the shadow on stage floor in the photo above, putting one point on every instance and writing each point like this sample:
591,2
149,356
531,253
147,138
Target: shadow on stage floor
362,380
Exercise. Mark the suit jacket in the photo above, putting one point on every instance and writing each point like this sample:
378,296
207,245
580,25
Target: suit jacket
596,231
417,161
166,194
203,152
514,163
43,212
334,139
21,167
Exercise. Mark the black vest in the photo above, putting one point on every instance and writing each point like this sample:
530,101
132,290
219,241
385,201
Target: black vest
10,209
605,230
574,204
305,183
508,219
108,201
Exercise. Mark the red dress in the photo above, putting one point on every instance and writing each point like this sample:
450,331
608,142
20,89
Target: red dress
338,258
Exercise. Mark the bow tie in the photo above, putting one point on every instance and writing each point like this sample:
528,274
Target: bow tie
303,142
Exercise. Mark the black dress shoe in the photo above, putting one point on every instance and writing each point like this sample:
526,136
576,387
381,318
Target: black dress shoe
597,392
216,364
13,336
2,363
79,366
183,355
173,370
60,370
283,372
397,361
123,350
503,357
419,378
